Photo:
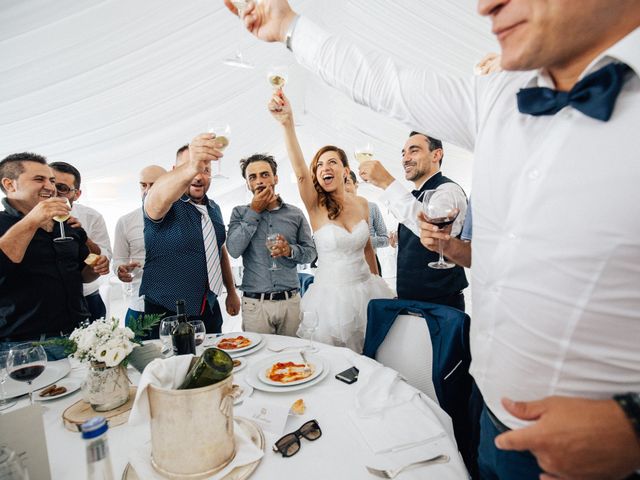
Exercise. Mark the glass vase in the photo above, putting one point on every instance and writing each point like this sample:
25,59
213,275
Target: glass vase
106,388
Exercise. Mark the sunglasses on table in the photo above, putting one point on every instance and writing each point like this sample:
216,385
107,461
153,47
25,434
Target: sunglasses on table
290,443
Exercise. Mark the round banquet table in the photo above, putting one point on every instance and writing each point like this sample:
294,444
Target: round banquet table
341,452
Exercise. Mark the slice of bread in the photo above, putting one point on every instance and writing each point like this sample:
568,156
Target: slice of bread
91,259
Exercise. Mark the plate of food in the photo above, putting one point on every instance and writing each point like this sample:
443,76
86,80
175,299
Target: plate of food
253,376
238,341
289,369
60,389
239,364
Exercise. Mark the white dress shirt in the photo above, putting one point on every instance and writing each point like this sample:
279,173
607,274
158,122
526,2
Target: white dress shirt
96,228
129,243
405,207
556,235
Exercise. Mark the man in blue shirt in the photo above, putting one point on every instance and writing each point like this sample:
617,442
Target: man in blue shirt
271,299
184,236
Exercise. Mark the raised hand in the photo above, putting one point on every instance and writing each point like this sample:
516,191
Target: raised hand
282,248
262,198
124,271
267,20
430,234
280,108
42,214
101,265
202,150
373,172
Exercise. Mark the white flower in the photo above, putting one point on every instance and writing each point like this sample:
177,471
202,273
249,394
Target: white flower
103,341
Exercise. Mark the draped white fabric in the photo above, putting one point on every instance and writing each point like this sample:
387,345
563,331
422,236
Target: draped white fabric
113,85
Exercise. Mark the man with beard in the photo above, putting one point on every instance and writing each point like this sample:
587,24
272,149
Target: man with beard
40,278
421,159
184,237
271,298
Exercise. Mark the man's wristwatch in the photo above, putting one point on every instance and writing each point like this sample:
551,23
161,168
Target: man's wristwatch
290,30
630,404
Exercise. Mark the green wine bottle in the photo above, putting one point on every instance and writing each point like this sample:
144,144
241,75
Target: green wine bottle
212,367
183,335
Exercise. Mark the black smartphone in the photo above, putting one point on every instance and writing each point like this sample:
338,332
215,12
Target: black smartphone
350,375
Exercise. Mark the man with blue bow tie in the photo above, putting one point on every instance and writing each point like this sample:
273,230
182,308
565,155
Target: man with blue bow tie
556,318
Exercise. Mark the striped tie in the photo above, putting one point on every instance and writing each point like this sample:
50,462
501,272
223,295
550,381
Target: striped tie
214,271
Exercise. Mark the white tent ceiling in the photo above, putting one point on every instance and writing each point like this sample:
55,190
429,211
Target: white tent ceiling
114,85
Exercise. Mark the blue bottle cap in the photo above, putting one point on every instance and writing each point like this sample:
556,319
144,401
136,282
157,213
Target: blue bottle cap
94,427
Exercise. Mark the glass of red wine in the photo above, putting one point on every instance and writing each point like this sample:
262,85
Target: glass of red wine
441,208
25,363
199,330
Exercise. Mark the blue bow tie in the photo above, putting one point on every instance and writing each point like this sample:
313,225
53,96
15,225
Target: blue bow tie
595,95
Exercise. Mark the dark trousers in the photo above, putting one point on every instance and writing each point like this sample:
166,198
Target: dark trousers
97,309
496,464
211,316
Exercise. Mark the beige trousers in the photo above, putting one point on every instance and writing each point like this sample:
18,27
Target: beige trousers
280,317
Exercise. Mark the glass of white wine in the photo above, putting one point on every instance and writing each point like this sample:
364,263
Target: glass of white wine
272,242
277,77
61,219
223,138
364,153
238,59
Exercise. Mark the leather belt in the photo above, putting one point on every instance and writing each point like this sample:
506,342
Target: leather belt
501,427
285,295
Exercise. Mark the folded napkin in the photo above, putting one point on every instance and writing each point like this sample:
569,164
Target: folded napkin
161,373
246,452
390,414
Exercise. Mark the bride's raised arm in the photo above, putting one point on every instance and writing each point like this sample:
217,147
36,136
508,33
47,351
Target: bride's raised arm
280,108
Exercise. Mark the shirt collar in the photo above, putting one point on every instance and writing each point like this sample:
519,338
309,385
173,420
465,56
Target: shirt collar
10,209
627,50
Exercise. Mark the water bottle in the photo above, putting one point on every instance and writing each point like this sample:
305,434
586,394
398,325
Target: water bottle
94,431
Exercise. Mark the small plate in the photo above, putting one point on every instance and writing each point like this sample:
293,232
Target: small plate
314,362
251,377
243,364
254,338
69,383
53,372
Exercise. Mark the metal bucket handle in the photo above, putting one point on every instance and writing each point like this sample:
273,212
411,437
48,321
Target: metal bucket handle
226,406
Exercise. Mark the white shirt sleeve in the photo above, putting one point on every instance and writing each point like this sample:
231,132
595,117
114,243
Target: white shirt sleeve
439,105
120,244
97,231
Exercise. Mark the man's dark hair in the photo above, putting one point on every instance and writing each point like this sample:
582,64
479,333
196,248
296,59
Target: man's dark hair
354,179
182,149
11,167
65,167
258,157
434,143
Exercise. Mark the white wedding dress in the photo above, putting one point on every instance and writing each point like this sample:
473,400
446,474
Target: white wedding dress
343,286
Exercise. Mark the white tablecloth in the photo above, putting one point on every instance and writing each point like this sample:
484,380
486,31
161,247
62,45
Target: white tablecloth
340,453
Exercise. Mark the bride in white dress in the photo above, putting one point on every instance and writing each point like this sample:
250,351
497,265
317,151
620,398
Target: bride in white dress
346,278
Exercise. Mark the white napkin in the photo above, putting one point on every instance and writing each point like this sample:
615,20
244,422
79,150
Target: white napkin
390,414
246,452
161,373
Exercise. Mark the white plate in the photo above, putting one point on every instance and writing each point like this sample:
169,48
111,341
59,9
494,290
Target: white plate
236,354
53,372
267,363
255,338
69,383
252,379
243,363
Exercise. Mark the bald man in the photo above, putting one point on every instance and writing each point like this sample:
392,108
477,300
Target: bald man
128,247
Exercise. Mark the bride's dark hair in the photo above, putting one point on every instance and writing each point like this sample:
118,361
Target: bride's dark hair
325,199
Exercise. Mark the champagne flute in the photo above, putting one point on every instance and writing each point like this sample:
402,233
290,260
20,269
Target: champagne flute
238,60
272,242
61,219
441,209
277,77
25,363
308,326
200,331
364,153
4,403
223,137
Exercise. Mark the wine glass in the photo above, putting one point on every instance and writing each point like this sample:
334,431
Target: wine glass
61,219
25,363
364,153
167,325
199,330
441,208
277,77
308,326
223,137
238,60
272,242
4,403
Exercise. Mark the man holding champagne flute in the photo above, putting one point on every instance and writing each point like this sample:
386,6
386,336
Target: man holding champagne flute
41,280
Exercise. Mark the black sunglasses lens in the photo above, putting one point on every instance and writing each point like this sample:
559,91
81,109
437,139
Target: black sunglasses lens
288,445
62,188
311,430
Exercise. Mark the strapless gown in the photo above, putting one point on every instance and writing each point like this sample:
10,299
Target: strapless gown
343,286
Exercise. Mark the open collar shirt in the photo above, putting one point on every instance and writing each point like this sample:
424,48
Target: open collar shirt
556,240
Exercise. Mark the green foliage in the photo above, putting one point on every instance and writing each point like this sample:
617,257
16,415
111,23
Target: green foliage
69,345
141,325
